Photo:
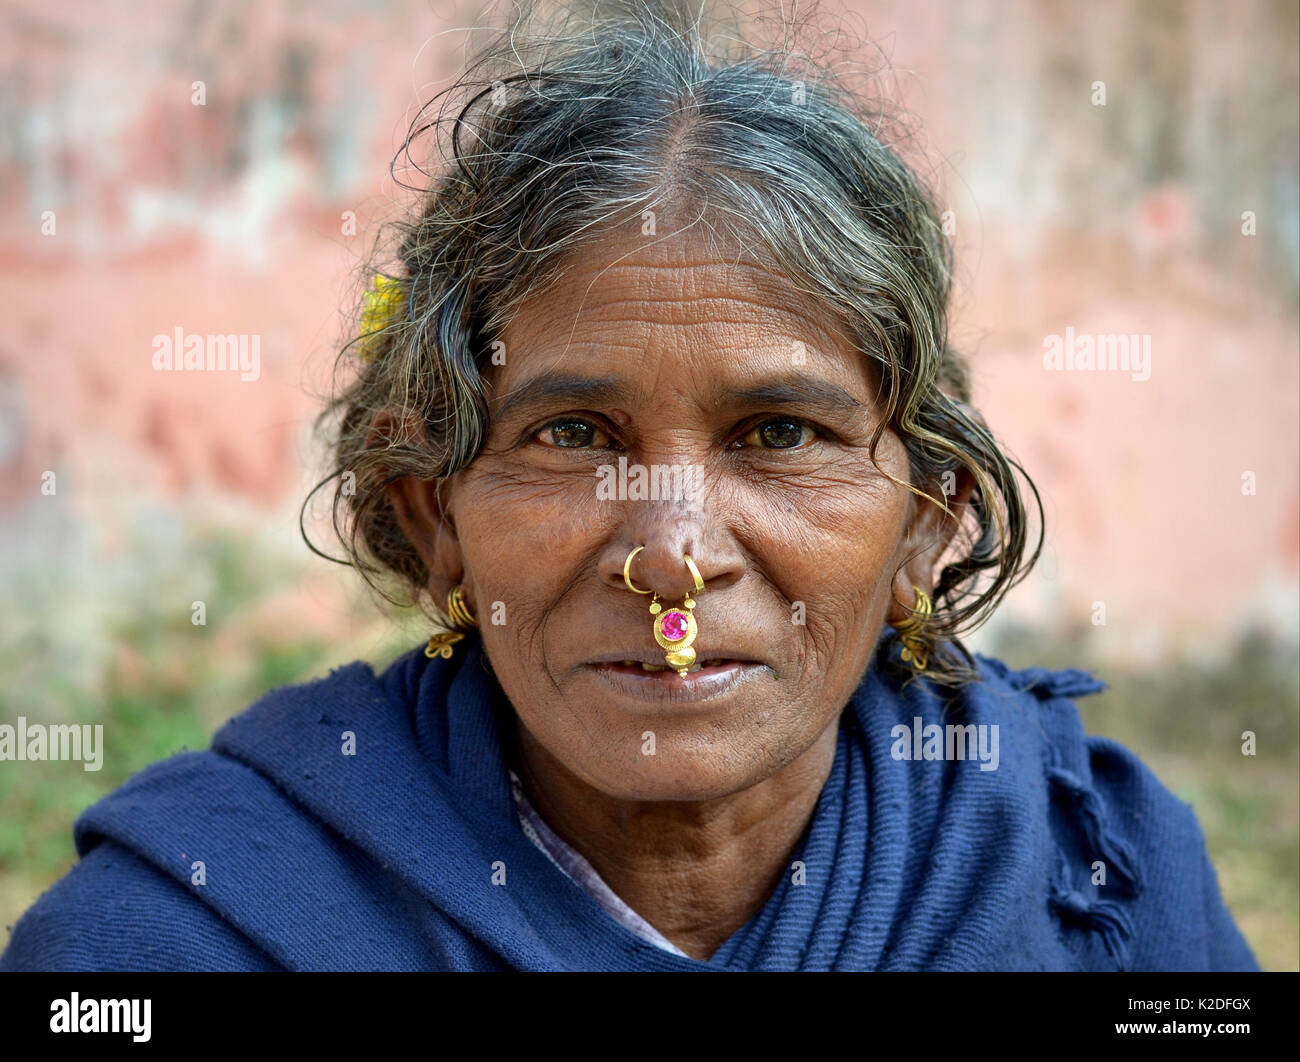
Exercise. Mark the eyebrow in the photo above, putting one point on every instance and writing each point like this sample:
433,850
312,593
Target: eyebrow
548,387
794,392
798,392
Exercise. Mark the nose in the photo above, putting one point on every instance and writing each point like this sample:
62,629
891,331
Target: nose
660,567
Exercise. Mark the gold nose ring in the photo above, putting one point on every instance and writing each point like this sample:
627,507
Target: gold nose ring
675,630
627,571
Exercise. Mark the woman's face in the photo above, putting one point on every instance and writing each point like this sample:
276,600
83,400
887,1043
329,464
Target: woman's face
655,355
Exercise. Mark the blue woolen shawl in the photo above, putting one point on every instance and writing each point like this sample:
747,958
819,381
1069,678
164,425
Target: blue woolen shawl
386,859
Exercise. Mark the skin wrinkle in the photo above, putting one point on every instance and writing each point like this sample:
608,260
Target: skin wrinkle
696,837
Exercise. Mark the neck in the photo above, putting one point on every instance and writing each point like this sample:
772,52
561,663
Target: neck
696,871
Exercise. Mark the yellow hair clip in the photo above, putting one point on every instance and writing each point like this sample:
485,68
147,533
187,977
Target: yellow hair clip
381,305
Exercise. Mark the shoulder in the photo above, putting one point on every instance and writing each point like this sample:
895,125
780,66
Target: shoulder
1134,864
162,857
136,899
115,911
278,732
353,688
197,861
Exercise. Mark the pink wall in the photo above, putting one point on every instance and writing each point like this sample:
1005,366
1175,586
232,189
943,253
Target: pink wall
1122,218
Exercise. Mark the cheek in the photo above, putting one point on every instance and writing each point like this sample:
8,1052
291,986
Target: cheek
831,549
527,528
525,538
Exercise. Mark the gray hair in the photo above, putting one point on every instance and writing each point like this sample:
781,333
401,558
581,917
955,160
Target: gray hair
582,119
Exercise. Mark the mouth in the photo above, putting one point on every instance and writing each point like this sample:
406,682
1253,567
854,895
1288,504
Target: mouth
642,676
645,667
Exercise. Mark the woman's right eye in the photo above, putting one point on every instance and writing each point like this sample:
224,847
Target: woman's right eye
572,433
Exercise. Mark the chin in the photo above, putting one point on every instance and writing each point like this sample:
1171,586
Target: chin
688,771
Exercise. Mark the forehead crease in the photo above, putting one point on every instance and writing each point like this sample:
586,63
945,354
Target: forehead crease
652,261
660,279
619,319
663,309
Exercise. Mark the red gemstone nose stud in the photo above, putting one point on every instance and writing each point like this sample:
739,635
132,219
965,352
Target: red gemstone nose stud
675,629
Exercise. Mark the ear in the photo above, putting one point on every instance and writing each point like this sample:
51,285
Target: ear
424,518
929,533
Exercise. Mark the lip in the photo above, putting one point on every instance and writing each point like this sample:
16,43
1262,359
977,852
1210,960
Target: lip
656,656
702,684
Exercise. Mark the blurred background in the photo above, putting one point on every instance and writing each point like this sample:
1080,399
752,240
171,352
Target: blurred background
222,167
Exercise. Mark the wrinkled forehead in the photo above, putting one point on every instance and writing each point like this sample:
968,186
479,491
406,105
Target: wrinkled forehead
686,292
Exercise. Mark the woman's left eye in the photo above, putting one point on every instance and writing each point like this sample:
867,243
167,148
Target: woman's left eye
780,433
572,433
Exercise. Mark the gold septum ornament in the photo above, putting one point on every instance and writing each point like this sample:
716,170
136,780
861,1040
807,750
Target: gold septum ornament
911,632
675,629
462,619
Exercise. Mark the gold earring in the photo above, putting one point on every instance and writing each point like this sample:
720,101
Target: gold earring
911,632
674,630
458,609
462,619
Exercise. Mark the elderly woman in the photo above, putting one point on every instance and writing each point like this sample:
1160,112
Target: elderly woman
657,406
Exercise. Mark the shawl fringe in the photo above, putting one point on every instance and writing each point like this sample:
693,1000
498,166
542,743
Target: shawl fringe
1087,811
1105,916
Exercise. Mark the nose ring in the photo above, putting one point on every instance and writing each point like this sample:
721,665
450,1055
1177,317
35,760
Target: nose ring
675,630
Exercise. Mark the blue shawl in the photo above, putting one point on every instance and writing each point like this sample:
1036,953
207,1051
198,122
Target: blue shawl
276,850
